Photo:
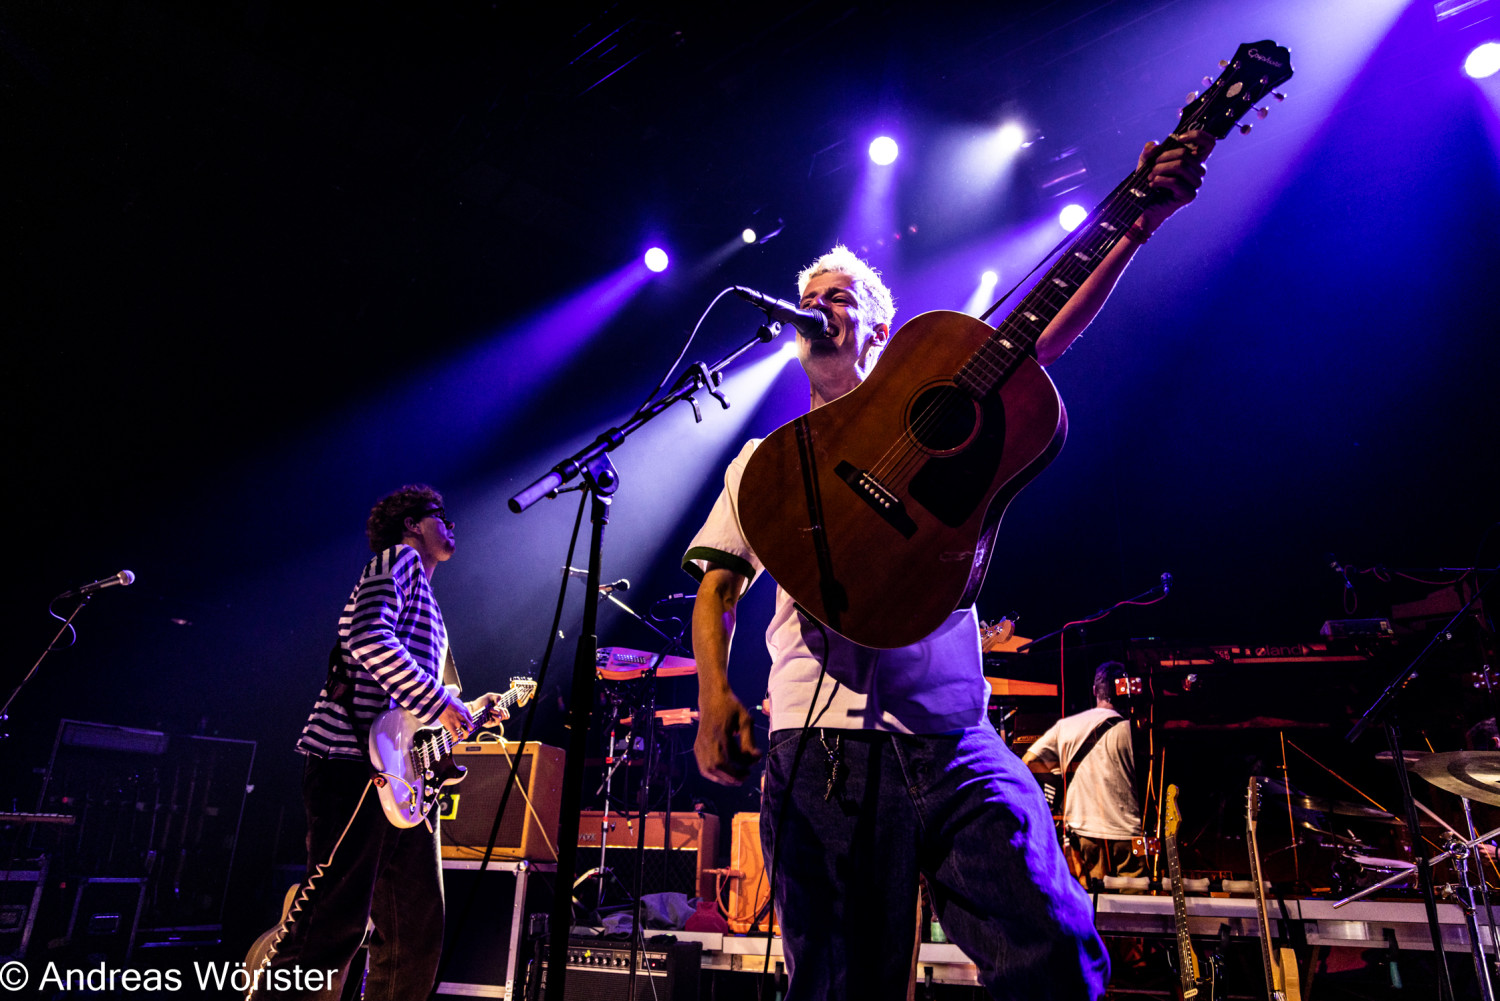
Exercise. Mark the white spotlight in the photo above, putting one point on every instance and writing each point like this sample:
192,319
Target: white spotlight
1010,138
1071,217
748,235
1484,61
883,150
989,278
656,259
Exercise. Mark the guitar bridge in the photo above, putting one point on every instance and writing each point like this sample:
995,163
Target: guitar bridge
881,500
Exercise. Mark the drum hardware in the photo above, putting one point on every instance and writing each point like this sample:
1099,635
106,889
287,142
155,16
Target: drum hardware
1474,775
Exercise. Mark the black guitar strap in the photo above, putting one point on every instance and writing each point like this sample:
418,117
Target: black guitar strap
1095,735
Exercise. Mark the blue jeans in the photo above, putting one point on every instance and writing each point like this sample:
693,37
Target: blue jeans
867,812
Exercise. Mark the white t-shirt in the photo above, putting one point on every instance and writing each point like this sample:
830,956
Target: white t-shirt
935,686
1101,792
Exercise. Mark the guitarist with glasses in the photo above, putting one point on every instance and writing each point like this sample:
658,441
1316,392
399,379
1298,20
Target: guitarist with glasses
363,870
881,764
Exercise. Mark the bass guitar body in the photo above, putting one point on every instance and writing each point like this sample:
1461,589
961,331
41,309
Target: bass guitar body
903,479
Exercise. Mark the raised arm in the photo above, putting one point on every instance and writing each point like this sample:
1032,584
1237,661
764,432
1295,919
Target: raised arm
1178,172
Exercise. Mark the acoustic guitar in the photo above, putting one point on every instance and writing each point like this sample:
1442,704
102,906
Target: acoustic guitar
878,511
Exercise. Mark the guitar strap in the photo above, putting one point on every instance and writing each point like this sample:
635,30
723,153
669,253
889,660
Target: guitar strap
1095,735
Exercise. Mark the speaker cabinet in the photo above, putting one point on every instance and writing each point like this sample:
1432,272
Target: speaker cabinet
749,892
483,937
599,970
468,807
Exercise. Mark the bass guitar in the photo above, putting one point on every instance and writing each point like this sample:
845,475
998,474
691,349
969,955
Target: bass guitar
413,762
878,511
1282,981
1192,982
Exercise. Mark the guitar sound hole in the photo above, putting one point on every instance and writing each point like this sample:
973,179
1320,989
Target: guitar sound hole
943,418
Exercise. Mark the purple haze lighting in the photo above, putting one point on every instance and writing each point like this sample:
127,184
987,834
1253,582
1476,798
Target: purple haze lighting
1484,61
883,150
656,259
1071,217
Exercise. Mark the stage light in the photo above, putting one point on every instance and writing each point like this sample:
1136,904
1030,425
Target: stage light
1072,216
883,150
656,259
1010,138
989,278
748,235
1484,61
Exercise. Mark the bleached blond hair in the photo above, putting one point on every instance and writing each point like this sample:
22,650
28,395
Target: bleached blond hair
869,290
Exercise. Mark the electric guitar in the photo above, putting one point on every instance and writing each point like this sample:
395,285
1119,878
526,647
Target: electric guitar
878,511
414,762
1192,983
1282,982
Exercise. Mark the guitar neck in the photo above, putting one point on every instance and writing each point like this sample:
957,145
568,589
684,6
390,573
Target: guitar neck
1268,959
1015,337
1187,960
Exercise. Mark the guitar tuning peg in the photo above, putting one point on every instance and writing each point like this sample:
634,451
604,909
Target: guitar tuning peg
1192,96
1278,95
1261,113
1245,129
1208,81
1223,63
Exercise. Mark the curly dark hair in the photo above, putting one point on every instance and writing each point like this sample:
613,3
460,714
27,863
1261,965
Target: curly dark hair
387,522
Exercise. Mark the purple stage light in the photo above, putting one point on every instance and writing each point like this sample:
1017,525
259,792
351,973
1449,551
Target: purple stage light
883,150
1071,217
1010,138
1484,61
656,259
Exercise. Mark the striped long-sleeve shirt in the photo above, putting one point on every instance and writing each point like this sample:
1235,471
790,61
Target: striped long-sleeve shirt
393,645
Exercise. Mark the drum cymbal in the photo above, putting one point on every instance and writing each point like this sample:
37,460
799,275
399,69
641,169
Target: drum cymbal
1411,757
1316,804
1473,775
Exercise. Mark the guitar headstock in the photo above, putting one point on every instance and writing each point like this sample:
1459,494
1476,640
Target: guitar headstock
524,688
1256,70
1252,799
1173,818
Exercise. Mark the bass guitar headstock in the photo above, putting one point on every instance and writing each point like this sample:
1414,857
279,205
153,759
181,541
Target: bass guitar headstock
1256,70
524,688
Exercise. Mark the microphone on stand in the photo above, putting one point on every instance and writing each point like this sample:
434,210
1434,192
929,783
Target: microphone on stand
1341,570
1166,584
623,584
809,322
121,579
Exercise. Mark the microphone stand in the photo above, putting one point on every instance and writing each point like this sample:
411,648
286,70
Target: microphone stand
601,479
83,599
1382,710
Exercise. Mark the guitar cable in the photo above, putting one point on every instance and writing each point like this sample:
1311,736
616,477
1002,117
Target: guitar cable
303,895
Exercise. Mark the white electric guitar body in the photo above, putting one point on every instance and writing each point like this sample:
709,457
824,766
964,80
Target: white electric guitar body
414,761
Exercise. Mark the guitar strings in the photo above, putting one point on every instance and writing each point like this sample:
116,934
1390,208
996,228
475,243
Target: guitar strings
898,464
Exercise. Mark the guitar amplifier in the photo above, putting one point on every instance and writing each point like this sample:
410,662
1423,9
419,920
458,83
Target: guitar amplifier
468,808
599,970
749,892
675,865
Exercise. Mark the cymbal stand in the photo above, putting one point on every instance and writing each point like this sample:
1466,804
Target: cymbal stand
1484,884
1459,850
1382,710
601,479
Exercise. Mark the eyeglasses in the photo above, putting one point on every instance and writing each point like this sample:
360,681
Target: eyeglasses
440,515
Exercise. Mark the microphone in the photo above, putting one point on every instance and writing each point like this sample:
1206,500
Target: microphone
623,584
121,579
1166,584
1341,570
810,323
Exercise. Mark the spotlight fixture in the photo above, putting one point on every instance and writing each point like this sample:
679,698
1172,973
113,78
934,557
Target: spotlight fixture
883,150
748,235
1072,216
1010,138
1484,61
989,278
656,259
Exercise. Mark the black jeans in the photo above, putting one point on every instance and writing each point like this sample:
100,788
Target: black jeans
867,812
382,874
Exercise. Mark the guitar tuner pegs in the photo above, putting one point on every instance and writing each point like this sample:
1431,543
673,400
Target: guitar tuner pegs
1245,129
1278,95
1208,81
1223,63
1192,96
1261,113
